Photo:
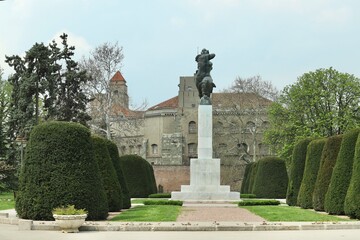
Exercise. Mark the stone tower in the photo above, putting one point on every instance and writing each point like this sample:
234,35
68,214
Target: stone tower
119,90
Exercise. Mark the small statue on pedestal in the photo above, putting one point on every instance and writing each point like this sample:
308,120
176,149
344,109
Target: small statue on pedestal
204,82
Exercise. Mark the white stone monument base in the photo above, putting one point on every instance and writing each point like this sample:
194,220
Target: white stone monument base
205,183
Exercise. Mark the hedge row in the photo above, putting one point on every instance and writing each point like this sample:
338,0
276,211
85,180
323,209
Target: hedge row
327,163
65,165
312,163
331,177
139,176
59,169
266,178
296,171
340,180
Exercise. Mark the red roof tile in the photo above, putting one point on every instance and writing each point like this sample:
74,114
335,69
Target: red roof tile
171,103
117,77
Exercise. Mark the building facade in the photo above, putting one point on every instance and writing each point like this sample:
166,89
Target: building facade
166,134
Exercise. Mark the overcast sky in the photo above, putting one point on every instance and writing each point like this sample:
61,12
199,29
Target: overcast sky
276,39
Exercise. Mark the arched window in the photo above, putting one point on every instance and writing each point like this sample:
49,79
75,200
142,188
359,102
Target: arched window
154,149
243,147
131,149
192,127
250,126
192,150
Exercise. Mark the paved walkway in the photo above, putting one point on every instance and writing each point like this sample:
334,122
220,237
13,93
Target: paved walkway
200,212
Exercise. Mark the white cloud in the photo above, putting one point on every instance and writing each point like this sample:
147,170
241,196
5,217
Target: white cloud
335,16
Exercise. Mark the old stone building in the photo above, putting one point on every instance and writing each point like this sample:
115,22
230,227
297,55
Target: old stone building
166,134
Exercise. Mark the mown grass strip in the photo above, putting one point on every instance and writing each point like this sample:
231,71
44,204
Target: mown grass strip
291,214
153,213
7,201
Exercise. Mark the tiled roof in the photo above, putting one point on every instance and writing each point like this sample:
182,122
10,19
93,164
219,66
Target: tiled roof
171,103
242,100
118,77
120,110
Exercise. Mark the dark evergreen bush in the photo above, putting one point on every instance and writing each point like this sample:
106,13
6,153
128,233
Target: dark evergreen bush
114,154
258,202
163,202
253,171
138,174
246,179
108,173
59,169
352,199
327,163
271,178
296,171
340,179
312,163
160,195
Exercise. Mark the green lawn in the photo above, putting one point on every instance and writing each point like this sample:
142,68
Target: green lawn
290,214
7,201
150,213
141,200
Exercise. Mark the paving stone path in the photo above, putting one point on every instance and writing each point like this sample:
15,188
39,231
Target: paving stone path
216,212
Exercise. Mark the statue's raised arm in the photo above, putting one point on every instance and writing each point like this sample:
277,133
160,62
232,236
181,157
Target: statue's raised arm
204,82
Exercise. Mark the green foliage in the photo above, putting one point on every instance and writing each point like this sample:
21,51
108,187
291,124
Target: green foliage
163,202
108,173
252,176
69,210
327,163
352,199
160,195
139,176
247,195
312,163
340,179
43,88
246,180
296,171
258,202
322,103
114,154
271,178
59,169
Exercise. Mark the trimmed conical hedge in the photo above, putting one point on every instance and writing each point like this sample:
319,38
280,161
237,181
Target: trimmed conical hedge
312,163
114,154
252,177
327,163
59,169
296,171
271,178
246,179
139,176
108,173
352,199
340,179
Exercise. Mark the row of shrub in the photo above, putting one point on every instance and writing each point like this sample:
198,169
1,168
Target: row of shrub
266,178
325,174
65,165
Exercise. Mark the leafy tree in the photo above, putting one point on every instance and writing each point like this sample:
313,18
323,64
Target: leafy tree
321,104
104,61
46,85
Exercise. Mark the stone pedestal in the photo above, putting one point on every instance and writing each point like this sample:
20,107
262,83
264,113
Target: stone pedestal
205,171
